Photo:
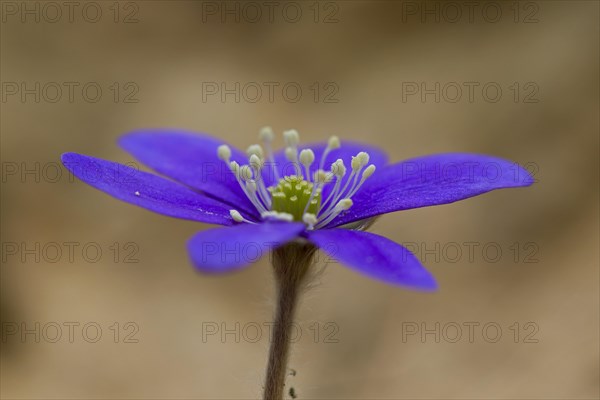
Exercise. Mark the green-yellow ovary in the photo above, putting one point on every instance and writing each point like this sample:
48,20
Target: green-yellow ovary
291,195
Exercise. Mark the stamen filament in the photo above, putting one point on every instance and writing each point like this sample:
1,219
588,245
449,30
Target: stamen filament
251,192
266,135
237,172
332,144
368,172
333,192
291,153
256,164
340,194
342,205
320,179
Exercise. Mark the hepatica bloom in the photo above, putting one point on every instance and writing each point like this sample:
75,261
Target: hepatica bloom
292,202
325,194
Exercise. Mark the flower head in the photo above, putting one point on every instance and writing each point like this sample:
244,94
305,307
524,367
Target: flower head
325,193
296,194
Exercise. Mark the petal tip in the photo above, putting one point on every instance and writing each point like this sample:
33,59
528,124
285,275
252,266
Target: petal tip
71,160
65,157
429,285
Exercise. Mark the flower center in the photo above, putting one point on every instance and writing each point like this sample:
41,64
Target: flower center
294,195
297,197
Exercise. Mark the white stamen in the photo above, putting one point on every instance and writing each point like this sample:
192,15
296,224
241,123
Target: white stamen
366,174
332,194
224,152
369,171
310,220
339,194
320,178
306,159
307,156
251,186
255,150
237,217
359,161
266,134
332,144
364,157
256,162
342,205
251,193
283,216
338,168
291,138
291,153
263,194
245,173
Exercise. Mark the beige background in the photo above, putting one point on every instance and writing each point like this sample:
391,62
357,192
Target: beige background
368,53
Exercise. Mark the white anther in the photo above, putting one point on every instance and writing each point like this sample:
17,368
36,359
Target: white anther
291,154
369,171
256,161
283,216
245,172
266,134
234,167
237,217
333,143
338,168
310,220
291,138
359,161
307,156
224,152
255,149
322,176
364,158
344,204
267,214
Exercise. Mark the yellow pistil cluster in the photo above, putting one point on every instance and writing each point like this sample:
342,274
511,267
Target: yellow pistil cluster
294,195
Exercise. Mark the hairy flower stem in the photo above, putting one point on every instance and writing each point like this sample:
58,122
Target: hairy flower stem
291,264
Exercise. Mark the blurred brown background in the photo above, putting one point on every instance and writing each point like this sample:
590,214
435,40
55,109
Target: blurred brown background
151,59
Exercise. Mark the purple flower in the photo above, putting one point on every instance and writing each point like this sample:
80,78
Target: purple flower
326,194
